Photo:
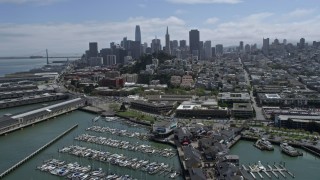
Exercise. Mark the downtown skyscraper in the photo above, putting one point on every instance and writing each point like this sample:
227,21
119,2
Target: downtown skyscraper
138,34
168,48
194,39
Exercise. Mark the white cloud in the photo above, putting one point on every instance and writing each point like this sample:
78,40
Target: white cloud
205,1
300,13
258,16
212,20
180,11
38,2
24,39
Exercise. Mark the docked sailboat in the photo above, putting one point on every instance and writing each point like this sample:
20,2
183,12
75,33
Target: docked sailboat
289,150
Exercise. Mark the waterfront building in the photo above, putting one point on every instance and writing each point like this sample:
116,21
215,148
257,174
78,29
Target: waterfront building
161,107
230,98
242,110
10,122
309,123
10,88
194,42
164,127
169,97
17,94
6,103
198,108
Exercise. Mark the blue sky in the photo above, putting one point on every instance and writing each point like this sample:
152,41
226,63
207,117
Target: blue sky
66,26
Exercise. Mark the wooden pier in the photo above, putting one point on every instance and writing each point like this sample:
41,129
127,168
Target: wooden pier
12,168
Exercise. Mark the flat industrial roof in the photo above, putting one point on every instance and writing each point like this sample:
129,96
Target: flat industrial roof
286,117
45,108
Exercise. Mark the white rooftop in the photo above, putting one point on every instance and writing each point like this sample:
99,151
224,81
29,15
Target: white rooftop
273,96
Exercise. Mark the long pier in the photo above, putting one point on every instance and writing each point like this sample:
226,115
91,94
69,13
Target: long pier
19,121
36,152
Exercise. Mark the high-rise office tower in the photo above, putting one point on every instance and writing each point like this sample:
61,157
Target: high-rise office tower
194,38
168,49
265,47
207,50
213,49
124,43
93,49
155,45
219,49
138,34
241,46
302,42
284,41
183,43
174,45
247,48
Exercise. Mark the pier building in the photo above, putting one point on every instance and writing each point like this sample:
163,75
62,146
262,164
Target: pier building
7,103
22,93
9,123
17,88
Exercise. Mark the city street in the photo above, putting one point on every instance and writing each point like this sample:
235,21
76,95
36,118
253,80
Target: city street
258,110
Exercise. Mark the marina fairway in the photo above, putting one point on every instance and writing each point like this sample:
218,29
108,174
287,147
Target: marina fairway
303,167
17,145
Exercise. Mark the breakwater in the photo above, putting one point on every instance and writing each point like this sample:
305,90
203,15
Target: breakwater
36,152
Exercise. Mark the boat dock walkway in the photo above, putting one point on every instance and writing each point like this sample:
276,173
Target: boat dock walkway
2,175
259,170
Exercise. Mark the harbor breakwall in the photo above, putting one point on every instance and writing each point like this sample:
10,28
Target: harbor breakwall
12,168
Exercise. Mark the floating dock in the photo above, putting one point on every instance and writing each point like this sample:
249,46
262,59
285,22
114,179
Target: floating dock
259,170
36,152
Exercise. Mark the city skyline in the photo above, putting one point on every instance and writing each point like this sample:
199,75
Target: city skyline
28,26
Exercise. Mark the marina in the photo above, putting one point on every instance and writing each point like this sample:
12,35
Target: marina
260,171
126,145
118,159
53,127
119,132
